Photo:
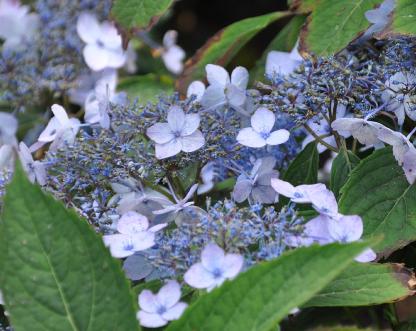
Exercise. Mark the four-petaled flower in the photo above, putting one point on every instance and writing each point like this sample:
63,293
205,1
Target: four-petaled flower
260,133
103,47
134,235
180,133
157,310
297,194
223,90
215,267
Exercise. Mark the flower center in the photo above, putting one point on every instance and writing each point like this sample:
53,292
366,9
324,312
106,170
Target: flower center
217,273
161,310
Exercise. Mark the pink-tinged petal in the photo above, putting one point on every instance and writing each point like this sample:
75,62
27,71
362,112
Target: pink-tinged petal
148,301
242,190
196,88
232,265
169,294
132,222
212,257
278,137
88,28
175,312
191,124
95,57
367,256
240,77
176,118
217,75
263,120
169,149
250,138
282,187
213,97
150,320
192,142
199,277
346,228
160,133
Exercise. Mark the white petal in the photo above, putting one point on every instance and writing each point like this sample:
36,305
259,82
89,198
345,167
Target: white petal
367,256
283,188
198,277
110,37
143,240
239,77
88,28
148,301
95,57
192,142
51,130
346,228
280,63
196,88
175,312
236,97
242,190
176,118
8,124
132,222
60,115
317,230
169,149
249,137
160,133
169,294
303,193
212,257
262,120
278,137
217,75
325,203
116,58
173,59
24,153
409,165
120,245
213,97
264,194
191,124
232,265
169,38
150,320
40,172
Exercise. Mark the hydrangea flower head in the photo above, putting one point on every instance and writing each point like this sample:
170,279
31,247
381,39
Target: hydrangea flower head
103,43
215,267
156,310
180,133
260,133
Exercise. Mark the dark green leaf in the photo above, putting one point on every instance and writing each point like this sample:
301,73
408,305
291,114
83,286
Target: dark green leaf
378,191
342,166
304,168
139,14
333,24
57,274
260,297
364,284
223,46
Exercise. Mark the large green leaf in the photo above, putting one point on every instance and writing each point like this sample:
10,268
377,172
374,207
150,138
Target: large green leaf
333,24
284,41
342,328
341,168
146,88
363,284
378,191
260,297
304,168
223,46
139,14
403,18
57,274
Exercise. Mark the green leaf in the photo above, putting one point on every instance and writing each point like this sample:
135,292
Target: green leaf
342,166
139,14
364,284
147,87
334,24
223,46
407,326
284,41
304,168
403,18
57,274
303,6
260,297
378,191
